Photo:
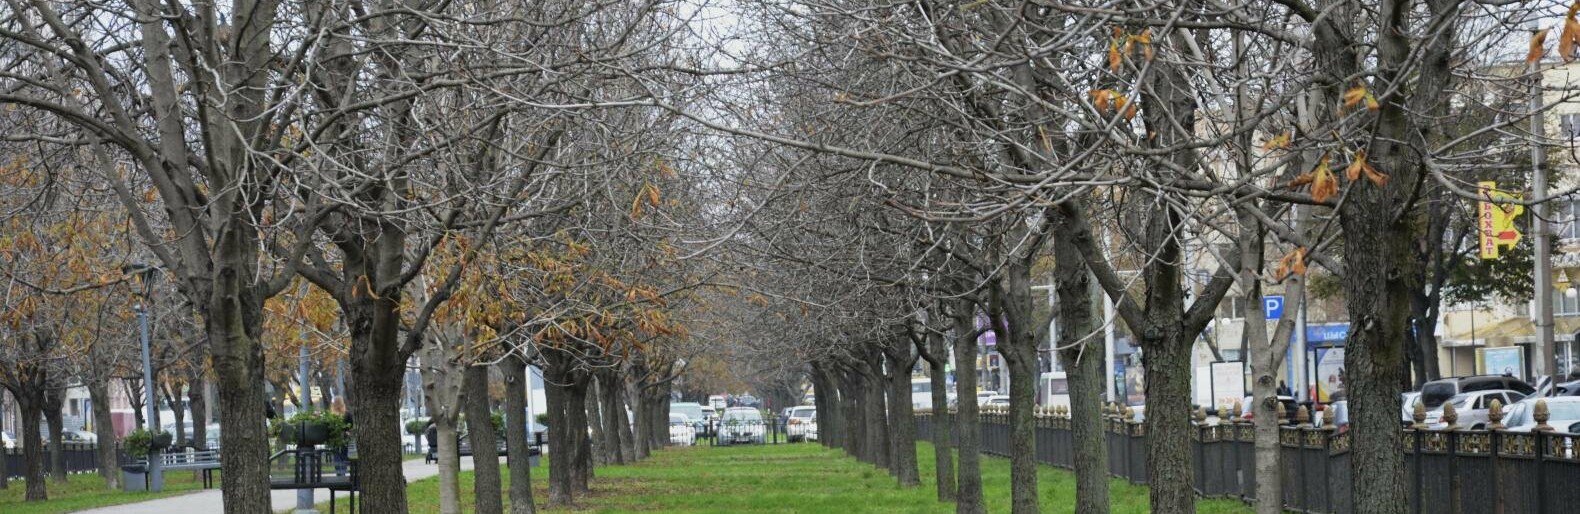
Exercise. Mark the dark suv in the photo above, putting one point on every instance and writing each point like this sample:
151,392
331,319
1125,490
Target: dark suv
1434,393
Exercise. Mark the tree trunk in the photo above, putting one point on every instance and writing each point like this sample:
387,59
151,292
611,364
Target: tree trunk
31,403
1019,348
485,446
449,466
622,424
642,439
104,430
1082,358
54,407
576,409
1264,368
902,418
968,499
561,447
377,372
178,410
1168,422
234,324
199,407
517,436
853,400
941,424
876,413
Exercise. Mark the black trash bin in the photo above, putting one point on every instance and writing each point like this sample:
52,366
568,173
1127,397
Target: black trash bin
134,477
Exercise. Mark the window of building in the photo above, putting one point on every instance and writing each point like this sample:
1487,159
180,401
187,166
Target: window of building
1565,216
1565,304
1569,126
1232,307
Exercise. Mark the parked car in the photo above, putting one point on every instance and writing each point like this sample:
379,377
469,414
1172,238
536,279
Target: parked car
79,436
801,421
1563,412
997,400
681,431
6,441
742,425
1472,408
718,402
983,396
694,413
1407,406
1434,393
1568,389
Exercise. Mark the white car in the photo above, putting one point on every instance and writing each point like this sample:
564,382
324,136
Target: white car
1472,408
6,441
801,423
1563,413
742,425
681,431
80,436
984,396
1407,406
997,400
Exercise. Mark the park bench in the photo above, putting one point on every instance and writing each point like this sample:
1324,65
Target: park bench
307,472
204,461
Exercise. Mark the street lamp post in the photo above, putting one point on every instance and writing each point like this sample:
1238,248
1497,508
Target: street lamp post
156,476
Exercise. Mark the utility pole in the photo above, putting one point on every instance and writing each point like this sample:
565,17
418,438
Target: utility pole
1544,274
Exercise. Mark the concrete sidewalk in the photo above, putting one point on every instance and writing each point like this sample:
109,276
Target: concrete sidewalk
284,500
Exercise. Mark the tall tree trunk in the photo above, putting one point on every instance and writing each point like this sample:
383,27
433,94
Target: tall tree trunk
1264,365
968,500
561,446
54,413
876,414
174,398
485,447
1015,316
623,422
449,454
32,446
517,438
199,407
941,424
595,421
104,430
577,410
902,418
853,401
1082,357
828,405
643,437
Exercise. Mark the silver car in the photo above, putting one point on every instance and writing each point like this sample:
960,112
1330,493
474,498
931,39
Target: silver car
742,425
1472,408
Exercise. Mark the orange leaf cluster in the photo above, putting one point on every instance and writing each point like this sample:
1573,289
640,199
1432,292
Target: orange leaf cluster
1569,37
1108,100
1123,44
1294,262
1358,165
1323,184
1538,40
1358,94
1281,141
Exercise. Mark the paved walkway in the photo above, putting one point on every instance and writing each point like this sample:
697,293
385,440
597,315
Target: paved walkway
284,500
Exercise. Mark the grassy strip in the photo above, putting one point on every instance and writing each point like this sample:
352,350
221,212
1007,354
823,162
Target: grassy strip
789,478
86,491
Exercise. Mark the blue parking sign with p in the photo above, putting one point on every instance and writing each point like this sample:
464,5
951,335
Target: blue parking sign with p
1273,306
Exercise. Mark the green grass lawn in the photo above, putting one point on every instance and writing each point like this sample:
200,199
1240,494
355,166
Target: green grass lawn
86,491
790,478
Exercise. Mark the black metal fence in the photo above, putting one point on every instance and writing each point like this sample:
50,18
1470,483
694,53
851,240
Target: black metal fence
1465,471
80,458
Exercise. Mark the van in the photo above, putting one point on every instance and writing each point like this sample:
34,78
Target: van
1434,393
1053,390
921,393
